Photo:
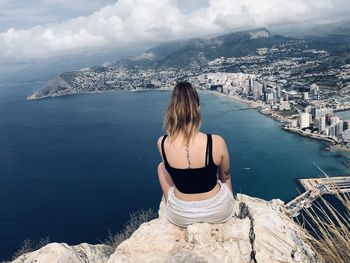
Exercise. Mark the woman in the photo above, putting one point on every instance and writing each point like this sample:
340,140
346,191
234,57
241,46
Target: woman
195,170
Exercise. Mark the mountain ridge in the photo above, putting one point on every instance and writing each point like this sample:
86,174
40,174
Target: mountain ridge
199,51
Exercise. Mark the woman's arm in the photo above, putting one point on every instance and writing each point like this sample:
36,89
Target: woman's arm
159,142
224,167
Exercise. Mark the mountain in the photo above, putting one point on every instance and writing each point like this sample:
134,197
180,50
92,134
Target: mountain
198,52
306,30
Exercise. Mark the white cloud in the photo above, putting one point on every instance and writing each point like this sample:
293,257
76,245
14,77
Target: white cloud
145,22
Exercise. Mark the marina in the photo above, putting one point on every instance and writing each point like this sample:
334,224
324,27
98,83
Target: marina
315,188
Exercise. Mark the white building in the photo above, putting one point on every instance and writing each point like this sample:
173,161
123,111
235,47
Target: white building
284,105
294,122
322,112
346,135
304,120
278,92
339,128
322,124
335,120
314,92
326,131
331,130
269,97
307,109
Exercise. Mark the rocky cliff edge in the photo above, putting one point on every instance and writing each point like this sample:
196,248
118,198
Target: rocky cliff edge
259,232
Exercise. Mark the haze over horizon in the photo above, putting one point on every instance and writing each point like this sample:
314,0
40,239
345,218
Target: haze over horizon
42,29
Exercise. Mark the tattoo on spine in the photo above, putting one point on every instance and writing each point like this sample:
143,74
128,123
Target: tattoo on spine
188,156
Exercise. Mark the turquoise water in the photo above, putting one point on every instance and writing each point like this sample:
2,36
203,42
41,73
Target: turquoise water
345,115
72,168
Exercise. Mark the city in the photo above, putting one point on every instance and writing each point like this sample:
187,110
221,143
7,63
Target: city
299,82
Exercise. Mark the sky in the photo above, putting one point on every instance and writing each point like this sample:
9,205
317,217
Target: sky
42,29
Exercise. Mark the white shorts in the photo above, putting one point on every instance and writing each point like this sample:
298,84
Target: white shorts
216,209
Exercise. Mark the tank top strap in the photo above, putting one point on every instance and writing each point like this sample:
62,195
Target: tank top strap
209,151
163,152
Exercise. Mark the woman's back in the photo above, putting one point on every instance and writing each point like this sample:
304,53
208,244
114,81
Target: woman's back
199,181
193,180
177,154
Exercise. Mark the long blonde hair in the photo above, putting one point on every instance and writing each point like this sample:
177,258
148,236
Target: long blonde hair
183,112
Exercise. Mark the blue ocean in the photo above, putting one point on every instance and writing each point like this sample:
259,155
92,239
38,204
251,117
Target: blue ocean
73,168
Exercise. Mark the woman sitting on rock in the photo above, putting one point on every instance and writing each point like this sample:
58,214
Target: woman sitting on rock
195,170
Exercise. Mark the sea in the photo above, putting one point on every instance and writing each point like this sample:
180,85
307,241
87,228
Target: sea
73,168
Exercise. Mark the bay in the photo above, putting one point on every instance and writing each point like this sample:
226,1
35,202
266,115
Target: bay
73,168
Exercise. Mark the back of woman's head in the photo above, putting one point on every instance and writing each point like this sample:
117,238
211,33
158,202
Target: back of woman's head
183,113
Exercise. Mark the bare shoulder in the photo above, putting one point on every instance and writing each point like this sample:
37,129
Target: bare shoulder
219,148
218,140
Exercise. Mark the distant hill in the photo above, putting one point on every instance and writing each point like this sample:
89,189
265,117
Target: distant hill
199,51
307,30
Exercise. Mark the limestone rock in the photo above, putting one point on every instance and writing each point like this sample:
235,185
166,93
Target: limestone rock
62,253
260,232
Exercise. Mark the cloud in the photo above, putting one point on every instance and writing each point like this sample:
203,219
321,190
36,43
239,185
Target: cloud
25,14
147,22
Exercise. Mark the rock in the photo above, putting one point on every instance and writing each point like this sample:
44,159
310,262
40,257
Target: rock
62,253
260,232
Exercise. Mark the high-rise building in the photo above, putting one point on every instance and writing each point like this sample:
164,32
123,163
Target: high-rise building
346,135
306,95
313,112
314,92
304,120
257,92
328,118
331,130
307,109
339,128
251,85
264,92
284,105
322,124
334,120
274,92
316,123
322,112
269,97
278,92
326,131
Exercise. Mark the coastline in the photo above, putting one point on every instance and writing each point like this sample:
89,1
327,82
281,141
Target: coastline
333,145
34,97
259,106
310,135
251,104
338,147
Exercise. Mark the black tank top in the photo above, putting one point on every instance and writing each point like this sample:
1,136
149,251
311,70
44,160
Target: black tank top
194,180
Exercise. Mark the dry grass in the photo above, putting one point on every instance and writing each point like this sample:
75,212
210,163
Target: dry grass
29,246
329,230
134,222
136,219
